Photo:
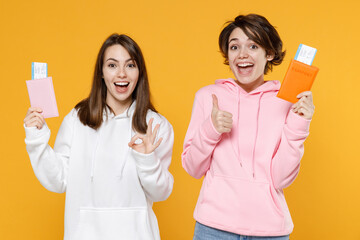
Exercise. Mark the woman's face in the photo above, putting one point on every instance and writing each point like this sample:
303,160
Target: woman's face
247,60
120,74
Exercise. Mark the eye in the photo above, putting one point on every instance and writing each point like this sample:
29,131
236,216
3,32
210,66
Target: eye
131,65
233,47
253,46
111,65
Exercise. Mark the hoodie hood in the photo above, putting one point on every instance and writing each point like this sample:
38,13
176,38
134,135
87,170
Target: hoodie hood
267,86
128,113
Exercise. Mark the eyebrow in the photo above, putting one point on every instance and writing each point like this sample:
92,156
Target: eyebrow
236,39
233,39
113,59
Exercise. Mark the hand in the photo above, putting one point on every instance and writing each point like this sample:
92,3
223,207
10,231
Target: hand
221,120
304,107
147,145
34,118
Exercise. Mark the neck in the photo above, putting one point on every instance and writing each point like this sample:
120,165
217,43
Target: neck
119,107
249,87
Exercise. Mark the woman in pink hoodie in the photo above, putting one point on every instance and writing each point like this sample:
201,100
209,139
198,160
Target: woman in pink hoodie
246,142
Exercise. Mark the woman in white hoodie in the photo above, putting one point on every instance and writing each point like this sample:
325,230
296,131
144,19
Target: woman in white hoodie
108,157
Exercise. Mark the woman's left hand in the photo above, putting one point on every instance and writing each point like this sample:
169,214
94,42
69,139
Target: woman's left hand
147,144
305,106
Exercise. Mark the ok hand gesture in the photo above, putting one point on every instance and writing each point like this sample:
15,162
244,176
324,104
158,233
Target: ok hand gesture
147,144
221,120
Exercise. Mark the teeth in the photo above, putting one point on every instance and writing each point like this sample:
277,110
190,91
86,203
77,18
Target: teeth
122,84
245,64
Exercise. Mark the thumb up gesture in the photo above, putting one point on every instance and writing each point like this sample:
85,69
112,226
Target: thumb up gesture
221,120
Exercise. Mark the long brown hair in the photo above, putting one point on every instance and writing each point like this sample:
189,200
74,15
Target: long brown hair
92,108
259,30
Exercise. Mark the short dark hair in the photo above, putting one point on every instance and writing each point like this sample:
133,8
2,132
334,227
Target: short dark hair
259,30
91,109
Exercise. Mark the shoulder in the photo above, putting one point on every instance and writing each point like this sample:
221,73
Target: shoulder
158,119
206,91
73,114
204,94
222,87
71,117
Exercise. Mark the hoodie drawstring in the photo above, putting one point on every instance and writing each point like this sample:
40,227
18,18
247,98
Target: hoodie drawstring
94,155
238,116
256,134
128,149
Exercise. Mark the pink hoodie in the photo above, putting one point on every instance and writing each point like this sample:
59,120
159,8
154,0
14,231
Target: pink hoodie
245,170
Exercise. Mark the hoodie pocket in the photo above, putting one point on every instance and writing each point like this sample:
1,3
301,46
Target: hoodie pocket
240,204
113,224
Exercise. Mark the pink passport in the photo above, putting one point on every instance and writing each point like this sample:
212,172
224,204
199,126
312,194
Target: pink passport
42,95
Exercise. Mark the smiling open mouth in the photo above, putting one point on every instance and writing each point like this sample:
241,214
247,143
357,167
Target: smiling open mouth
245,68
122,84
245,65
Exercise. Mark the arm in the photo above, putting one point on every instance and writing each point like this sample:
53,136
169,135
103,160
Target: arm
202,137
153,164
50,166
285,164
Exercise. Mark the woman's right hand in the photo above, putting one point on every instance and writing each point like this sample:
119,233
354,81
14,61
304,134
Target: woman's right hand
34,118
221,120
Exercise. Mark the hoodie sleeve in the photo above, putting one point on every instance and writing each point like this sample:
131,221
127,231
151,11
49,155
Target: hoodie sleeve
152,168
286,162
50,165
200,141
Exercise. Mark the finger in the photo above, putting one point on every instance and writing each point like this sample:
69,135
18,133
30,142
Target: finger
226,114
227,125
35,109
295,105
32,110
32,114
30,123
227,120
222,119
42,118
134,138
149,129
29,115
39,125
306,103
157,143
34,122
35,115
307,114
215,102
307,94
153,136
35,118
225,130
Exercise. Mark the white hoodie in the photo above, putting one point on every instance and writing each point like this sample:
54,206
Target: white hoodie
110,188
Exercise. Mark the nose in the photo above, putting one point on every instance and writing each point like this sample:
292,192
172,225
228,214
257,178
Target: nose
243,53
122,72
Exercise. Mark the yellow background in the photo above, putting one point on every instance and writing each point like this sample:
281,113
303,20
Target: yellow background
179,41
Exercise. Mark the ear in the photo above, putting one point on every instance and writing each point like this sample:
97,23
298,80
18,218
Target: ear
270,57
